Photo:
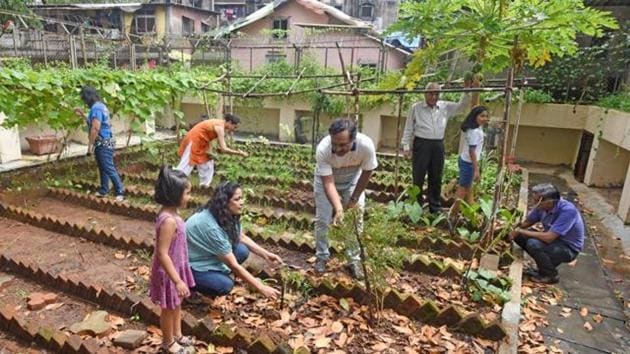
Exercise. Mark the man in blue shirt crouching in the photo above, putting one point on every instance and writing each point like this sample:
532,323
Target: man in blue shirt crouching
562,238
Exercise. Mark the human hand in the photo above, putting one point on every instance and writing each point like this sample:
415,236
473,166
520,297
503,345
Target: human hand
243,153
406,154
182,289
338,217
272,257
512,235
477,175
78,111
269,292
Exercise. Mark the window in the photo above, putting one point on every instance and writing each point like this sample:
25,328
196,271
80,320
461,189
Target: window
188,26
205,28
145,23
280,27
273,56
367,11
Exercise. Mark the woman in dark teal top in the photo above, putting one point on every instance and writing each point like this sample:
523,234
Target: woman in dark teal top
217,246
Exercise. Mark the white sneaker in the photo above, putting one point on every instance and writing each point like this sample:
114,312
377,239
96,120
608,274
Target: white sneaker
120,198
99,195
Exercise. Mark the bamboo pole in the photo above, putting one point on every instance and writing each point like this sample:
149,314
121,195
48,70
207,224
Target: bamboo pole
251,89
521,98
45,49
83,52
400,104
403,92
295,82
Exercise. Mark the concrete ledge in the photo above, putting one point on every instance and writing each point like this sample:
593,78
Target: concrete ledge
511,315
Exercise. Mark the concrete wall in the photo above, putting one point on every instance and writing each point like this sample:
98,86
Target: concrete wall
258,33
554,146
609,166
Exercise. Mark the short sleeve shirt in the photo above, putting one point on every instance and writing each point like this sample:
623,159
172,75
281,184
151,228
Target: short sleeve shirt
345,169
206,242
100,112
565,220
469,139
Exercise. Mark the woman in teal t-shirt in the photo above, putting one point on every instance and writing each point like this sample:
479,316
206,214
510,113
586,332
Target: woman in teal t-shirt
217,246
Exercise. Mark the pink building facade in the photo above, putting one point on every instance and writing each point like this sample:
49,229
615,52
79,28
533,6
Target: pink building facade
297,28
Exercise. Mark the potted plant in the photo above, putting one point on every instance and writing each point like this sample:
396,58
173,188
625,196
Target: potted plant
43,144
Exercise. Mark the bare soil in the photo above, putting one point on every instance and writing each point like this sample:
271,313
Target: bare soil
117,224
61,315
71,256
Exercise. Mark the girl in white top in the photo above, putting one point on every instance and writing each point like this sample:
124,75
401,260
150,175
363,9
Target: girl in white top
470,150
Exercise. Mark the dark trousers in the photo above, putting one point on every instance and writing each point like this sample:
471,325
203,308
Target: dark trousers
214,283
428,157
107,170
548,256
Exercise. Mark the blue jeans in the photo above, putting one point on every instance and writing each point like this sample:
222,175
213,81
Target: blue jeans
107,171
215,283
548,256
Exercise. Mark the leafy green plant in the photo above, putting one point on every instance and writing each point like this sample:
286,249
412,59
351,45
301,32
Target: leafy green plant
487,286
470,236
292,279
537,96
407,208
619,100
378,257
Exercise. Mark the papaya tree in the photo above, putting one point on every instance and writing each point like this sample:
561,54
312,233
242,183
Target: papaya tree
497,34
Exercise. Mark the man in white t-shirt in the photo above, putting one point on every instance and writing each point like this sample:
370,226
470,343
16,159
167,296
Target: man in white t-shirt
345,161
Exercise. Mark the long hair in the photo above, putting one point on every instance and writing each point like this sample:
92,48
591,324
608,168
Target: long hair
170,187
89,95
218,207
471,119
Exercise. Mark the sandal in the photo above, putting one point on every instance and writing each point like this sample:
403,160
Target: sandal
173,348
186,341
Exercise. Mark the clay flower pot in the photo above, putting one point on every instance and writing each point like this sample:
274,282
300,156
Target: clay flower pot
43,144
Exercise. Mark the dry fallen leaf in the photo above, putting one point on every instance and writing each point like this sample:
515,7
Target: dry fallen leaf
341,341
583,311
560,330
322,342
337,327
344,304
598,318
403,330
588,326
119,255
380,347
53,306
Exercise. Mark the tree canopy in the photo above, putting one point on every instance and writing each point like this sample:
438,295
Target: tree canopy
486,30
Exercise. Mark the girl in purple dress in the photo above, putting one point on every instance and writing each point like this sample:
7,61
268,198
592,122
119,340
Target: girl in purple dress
171,277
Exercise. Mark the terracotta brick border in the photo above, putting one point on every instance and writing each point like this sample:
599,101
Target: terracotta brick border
127,304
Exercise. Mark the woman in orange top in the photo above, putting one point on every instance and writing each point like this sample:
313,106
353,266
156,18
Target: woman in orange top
195,148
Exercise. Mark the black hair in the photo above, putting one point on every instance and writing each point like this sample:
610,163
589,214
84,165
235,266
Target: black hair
342,124
218,207
471,119
89,95
547,191
170,187
234,119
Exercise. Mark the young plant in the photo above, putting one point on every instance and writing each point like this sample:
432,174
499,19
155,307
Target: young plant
380,231
408,208
488,286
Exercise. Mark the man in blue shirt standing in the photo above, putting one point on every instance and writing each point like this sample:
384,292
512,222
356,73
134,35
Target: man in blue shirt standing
101,141
562,238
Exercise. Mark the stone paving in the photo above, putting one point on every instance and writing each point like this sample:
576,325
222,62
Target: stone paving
586,284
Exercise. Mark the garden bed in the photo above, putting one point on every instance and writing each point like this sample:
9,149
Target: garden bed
425,308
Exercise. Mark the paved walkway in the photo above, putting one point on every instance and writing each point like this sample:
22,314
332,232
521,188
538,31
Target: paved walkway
75,149
587,283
